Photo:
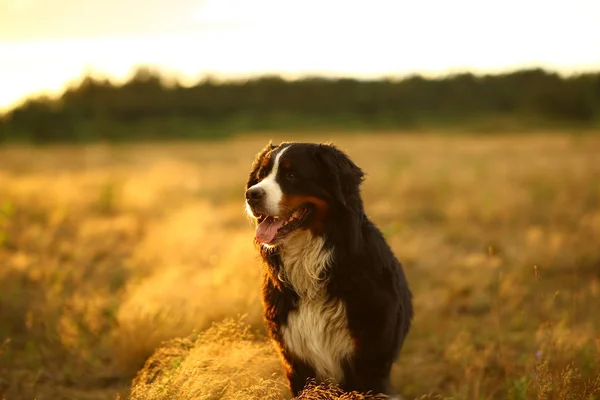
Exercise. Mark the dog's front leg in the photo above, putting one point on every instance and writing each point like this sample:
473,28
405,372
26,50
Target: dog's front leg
298,373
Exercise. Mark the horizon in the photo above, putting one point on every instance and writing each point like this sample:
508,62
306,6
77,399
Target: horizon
186,81
55,46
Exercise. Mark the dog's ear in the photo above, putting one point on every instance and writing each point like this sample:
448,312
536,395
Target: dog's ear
343,175
258,163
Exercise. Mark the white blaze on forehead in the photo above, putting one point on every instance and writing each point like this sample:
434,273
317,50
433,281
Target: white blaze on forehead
273,193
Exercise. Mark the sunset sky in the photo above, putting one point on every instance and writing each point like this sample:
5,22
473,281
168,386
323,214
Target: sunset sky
45,44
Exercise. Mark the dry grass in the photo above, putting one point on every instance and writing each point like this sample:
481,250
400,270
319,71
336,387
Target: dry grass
225,361
107,252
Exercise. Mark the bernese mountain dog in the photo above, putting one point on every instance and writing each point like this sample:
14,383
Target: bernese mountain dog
336,301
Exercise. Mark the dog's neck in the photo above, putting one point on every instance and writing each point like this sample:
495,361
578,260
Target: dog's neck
305,261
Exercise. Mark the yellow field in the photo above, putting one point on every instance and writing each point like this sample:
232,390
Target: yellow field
106,252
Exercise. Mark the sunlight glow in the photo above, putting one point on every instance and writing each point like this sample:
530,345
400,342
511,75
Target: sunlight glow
240,38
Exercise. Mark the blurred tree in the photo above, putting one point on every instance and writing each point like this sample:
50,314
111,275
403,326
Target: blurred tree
144,106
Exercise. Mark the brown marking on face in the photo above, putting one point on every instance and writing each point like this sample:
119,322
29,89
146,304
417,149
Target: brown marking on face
266,160
356,341
289,203
262,166
286,164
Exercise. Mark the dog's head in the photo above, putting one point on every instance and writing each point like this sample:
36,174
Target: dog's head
300,186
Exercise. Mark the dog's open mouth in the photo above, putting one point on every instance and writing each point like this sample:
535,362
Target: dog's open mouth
272,228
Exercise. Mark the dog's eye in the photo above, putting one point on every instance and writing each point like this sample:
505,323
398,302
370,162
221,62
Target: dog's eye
291,177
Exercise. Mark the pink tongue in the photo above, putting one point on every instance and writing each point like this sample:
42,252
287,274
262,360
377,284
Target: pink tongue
267,230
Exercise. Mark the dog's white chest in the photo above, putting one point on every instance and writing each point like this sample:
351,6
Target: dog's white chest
317,332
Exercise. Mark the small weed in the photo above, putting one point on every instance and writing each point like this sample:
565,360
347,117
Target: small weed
108,197
6,212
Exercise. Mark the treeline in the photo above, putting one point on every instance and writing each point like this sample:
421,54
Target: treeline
149,106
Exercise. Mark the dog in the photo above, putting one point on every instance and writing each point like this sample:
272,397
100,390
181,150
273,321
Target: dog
336,301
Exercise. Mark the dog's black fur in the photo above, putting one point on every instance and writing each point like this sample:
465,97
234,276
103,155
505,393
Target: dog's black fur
364,274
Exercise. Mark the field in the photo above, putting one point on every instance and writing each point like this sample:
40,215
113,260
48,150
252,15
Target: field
109,252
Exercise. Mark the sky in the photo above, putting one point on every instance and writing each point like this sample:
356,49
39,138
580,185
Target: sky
48,44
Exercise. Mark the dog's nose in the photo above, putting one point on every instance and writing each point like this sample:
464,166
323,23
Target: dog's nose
254,194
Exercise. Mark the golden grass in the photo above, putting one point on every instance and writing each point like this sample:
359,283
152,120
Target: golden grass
110,254
225,361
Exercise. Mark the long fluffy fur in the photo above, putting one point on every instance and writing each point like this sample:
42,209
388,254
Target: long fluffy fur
336,301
